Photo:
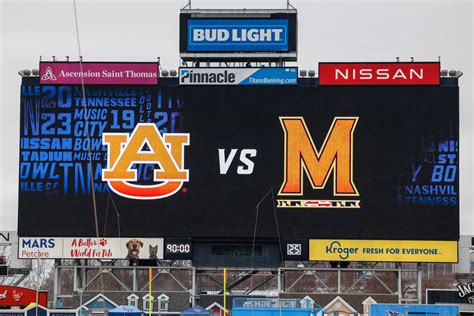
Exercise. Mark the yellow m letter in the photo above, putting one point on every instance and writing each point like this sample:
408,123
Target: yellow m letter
302,156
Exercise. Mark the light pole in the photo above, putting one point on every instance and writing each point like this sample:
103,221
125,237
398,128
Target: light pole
406,302
37,283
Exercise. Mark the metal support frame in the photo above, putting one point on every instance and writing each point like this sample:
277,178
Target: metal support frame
360,275
194,292
259,284
15,275
199,280
57,283
419,283
236,278
87,274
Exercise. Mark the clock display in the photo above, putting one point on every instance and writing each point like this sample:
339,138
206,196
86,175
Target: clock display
178,249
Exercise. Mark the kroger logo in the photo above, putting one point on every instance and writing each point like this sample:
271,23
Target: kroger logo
336,248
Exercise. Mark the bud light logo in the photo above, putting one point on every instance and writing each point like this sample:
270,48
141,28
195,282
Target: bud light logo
264,35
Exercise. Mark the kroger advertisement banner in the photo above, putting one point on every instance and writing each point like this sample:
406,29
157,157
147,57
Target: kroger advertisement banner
383,250
224,35
53,73
238,76
90,248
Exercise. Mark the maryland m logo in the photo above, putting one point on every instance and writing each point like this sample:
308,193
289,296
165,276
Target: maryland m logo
302,156
124,151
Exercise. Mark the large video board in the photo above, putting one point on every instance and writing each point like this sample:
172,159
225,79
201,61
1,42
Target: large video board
198,161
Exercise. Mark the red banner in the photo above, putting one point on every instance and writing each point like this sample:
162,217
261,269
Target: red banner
427,73
20,296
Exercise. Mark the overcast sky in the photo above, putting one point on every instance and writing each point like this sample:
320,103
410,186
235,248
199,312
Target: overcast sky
143,30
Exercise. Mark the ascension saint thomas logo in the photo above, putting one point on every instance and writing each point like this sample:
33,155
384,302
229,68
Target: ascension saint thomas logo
48,75
124,150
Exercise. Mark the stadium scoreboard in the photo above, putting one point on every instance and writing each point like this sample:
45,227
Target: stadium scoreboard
329,165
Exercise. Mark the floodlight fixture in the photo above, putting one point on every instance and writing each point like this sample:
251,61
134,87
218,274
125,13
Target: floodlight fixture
25,73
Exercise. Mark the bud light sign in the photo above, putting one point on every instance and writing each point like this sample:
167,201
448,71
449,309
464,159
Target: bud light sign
256,35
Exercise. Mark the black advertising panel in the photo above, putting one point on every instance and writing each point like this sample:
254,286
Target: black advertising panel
178,248
462,295
294,249
244,32
322,162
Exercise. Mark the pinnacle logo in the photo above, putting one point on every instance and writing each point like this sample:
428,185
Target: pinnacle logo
126,150
48,75
303,158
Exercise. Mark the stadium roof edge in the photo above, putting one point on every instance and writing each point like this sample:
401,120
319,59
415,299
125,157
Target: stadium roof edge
445,82
211,12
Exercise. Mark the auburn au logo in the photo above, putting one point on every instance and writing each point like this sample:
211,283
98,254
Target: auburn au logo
124,150
303,158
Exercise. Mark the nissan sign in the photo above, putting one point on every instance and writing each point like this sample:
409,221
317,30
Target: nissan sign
427,73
